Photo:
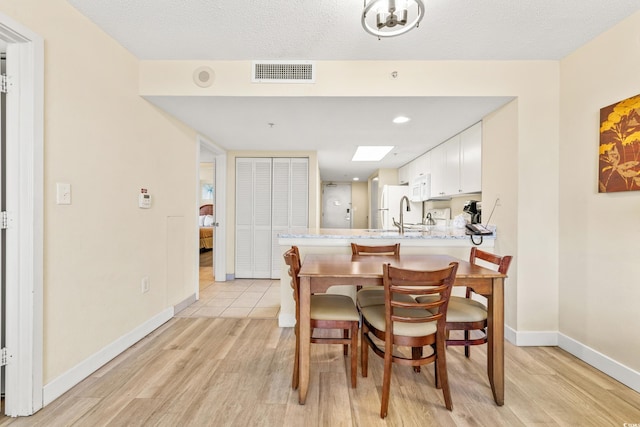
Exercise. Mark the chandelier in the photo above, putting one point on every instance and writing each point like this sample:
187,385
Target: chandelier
390,18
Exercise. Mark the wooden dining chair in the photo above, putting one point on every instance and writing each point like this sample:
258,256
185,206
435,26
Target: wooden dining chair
374,295
357,249
328,311
409,324
466,314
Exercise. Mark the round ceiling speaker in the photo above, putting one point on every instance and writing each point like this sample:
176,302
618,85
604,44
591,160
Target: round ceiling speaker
203,76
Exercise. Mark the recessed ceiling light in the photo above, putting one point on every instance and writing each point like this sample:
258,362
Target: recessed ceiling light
401,119
371,153
356,178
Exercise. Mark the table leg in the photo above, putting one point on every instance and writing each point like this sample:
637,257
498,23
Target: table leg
495,344
305,337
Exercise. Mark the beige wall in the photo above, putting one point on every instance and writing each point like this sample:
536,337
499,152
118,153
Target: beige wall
101,137
599,266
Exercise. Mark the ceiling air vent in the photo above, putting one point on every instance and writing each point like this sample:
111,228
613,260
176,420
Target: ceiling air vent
283,72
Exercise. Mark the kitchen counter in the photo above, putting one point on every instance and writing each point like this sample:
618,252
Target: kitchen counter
439,236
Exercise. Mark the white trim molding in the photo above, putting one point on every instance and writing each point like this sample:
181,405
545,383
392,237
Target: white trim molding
24,196
602,362
73,376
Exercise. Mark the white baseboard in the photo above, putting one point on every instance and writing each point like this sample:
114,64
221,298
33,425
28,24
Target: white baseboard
614,369
286,320
73,376
531,338
184,304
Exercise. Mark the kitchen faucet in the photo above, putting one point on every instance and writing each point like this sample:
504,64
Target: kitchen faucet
401,226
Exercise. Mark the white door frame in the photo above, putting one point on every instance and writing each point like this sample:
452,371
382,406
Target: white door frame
220,233
24,193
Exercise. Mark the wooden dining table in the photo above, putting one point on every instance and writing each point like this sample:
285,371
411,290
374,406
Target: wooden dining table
320,271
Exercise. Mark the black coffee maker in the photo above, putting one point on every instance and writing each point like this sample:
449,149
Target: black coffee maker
474,209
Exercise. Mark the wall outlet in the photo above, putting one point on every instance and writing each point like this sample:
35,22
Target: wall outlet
145,284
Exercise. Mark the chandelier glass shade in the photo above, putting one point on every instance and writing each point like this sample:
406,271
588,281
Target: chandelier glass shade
390,18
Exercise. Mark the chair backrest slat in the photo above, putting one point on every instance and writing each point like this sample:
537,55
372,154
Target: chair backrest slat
375,250
437,284
500,263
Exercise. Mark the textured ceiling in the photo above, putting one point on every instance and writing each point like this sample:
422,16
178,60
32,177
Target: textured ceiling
331,30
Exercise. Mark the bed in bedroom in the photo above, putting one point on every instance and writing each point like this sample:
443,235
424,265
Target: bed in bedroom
206,227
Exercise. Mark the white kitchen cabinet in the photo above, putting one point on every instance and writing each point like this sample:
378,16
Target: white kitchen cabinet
445,168
271,198
421,167
471,159
456,164
404,174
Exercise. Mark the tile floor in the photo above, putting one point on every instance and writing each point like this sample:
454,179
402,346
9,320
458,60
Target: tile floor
254,298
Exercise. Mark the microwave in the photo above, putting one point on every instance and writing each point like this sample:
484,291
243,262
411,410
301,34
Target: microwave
421,188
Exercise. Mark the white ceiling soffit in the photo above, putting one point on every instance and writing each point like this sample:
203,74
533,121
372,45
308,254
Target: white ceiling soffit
332,126
331,30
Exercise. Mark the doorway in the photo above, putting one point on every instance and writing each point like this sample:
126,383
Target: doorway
209,153
206,220
336,206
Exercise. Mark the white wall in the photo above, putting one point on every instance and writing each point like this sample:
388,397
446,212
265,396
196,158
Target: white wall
599,233
101,137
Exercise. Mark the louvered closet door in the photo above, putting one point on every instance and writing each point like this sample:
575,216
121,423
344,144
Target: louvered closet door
290,203
253,218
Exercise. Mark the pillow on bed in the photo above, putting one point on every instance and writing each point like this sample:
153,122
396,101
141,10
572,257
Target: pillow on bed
201,220
208,221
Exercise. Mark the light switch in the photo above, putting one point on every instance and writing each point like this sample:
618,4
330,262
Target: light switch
63,193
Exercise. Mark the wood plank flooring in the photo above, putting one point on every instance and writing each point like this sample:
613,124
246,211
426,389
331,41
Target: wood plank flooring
237,372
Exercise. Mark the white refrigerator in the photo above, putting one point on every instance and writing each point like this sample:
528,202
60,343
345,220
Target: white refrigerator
390,207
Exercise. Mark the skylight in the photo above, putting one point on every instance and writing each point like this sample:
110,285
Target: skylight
371,153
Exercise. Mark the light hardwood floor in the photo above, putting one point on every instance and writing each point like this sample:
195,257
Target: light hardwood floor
237,372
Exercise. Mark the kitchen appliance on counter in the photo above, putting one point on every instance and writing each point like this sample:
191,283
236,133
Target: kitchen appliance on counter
474,209
439,217
390,207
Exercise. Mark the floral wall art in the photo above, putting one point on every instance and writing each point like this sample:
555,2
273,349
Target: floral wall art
619,158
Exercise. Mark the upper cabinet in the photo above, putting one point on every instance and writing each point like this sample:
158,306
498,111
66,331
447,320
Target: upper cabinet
445,168
471,159
404,174
455,166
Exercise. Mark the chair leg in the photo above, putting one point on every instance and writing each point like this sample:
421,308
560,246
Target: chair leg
466,347
296,362
442,376
386,382
364,352
354,354
345,335
416,353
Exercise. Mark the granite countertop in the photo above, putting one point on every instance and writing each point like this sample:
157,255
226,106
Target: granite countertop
412,233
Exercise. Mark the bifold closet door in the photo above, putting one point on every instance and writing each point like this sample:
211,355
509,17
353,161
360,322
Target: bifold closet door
253,218
290,203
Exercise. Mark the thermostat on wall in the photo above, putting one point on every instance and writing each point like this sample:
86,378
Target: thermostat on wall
144,201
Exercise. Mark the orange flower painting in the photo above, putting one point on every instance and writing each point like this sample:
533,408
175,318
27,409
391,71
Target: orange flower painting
620,146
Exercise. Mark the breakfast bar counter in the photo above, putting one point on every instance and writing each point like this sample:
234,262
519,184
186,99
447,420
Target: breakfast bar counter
438,237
